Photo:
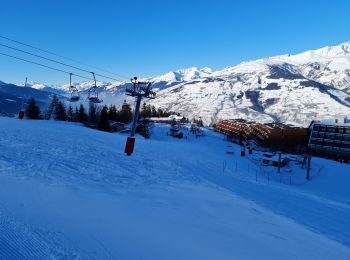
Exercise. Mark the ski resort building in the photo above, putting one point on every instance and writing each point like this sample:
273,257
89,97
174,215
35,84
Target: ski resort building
235,129
273,135
330,138
279,135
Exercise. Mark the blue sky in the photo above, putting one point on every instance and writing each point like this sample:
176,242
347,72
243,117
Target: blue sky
147,38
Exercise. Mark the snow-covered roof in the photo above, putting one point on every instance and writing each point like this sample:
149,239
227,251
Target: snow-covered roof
335,122
169,118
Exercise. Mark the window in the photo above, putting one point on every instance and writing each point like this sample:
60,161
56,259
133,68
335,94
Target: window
320,142
337,144
347,138
340,130
328,142
313,141
338,137
347,146
317,128
329,136
315,135
331,129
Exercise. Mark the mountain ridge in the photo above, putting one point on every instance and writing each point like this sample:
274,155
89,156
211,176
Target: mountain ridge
288,88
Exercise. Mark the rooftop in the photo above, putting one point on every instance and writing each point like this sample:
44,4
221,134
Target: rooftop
335,122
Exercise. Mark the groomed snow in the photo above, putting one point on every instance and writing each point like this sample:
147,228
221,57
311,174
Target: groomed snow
69,192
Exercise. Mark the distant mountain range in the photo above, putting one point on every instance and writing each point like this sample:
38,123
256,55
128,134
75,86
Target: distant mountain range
287,88
13,98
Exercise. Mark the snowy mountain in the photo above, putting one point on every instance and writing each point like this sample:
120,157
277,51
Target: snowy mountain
287,88
13,98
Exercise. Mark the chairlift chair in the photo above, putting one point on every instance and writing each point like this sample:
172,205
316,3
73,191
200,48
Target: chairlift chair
74,93
93,93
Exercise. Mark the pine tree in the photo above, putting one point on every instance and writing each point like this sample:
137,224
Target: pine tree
113,113
198,122
50,109
184,120
32,110
167,114
143,111
154,112
76,115
109,113
70,114
125,115
93,115
60,113
146,111
103,123
82,116
160,112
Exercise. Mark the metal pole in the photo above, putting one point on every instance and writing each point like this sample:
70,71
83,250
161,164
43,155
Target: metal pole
279,163
137,91
21,112
308,167
136,115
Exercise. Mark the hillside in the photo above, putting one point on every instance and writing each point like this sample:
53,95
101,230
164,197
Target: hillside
288,88
13,98
69,192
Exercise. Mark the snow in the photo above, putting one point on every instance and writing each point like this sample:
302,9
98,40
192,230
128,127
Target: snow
182,75
69,192
335,122
166,119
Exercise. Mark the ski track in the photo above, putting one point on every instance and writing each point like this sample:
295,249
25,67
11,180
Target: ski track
18,241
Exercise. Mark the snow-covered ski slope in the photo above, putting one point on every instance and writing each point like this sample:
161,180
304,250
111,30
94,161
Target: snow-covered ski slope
69,192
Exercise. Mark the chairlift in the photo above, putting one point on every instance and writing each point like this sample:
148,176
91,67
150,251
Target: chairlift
74,93
93,93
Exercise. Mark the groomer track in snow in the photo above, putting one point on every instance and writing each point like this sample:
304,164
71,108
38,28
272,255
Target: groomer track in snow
69,192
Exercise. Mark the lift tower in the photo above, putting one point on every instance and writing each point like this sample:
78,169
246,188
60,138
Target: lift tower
138,90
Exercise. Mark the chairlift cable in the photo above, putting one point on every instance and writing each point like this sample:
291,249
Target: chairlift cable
42,65
51,60
63,57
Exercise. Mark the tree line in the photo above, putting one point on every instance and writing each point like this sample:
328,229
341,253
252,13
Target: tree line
148,111
96,117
